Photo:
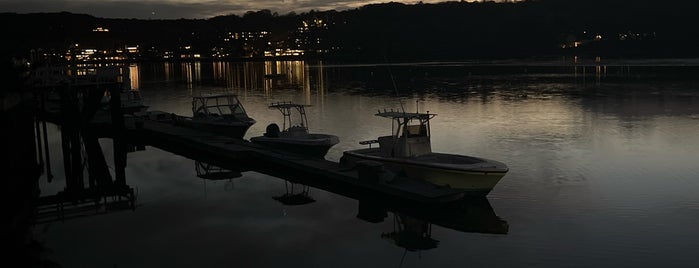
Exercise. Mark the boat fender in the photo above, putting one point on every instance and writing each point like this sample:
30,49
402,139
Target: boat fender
272,130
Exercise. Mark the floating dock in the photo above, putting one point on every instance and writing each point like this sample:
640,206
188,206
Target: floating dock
158,129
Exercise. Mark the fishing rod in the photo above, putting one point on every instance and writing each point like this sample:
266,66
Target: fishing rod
393,81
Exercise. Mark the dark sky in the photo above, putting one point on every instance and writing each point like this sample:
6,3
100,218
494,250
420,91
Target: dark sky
175,9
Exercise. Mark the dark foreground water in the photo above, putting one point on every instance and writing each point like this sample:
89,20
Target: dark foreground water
603,171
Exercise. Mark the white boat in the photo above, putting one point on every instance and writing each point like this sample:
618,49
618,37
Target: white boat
222,114
295,137
131,102
408,152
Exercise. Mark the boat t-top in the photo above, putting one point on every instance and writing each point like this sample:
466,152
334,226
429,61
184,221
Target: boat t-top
295,137
408,152
222,114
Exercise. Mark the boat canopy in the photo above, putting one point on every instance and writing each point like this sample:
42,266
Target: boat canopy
217,104
286,108
408,124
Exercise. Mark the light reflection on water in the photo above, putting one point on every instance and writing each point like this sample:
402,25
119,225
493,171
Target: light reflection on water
602,171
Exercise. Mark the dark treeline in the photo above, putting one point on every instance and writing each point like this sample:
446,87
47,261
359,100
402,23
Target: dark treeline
444,31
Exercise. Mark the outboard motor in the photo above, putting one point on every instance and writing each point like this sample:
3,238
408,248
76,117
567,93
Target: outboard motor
272,130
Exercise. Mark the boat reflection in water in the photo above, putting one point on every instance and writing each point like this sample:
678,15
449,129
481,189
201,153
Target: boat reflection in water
412,226
296,194
211,172
411,233
412,221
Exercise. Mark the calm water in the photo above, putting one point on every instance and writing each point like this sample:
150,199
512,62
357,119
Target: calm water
603,171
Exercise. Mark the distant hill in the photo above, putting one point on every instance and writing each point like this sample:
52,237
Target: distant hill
450,30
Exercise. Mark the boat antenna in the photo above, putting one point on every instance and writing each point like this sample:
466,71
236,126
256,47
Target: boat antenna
393,81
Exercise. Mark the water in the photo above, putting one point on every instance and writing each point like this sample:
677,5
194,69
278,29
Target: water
602,159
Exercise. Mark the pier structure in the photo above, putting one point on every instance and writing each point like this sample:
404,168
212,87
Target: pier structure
156,128
83,122
72,97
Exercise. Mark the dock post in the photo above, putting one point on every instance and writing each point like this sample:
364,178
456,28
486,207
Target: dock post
118,128
369,171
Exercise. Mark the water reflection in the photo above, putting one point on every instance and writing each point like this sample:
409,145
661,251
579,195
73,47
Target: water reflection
412,226
596,162
412,222
81,151
192,73
270,77
73,101
211,172
411,233
295,194
134,76
169,72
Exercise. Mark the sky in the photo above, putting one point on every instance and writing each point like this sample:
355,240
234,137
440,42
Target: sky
175,9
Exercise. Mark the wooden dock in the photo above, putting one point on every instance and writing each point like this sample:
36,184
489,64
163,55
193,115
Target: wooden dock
235,154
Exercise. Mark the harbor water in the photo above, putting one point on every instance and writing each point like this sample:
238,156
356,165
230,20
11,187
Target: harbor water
602,158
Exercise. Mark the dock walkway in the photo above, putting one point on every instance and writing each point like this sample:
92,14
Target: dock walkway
165,134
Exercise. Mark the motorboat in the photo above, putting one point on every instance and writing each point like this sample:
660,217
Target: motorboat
131,101
222,114
408,152
295,137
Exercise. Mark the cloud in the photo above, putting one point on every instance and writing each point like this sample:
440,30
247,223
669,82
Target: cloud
175,9
125,8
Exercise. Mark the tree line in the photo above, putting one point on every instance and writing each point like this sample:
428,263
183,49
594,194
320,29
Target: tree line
396,31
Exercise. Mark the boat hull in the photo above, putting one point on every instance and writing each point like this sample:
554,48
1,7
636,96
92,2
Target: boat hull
476,179
316,146
233,129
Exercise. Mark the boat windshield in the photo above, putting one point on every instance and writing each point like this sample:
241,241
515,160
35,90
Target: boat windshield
410,128
218,105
